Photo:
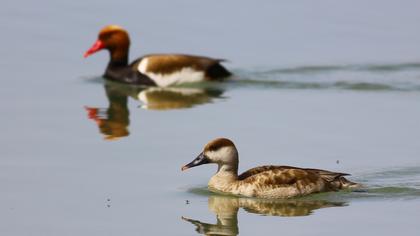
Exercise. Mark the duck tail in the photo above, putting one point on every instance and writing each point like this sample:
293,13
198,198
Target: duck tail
217,71
347,184
337,181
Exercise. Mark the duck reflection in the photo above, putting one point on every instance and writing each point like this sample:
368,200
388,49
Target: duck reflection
156,98
113,122
226,210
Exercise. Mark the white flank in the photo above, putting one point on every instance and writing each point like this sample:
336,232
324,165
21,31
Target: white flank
142,67
185,75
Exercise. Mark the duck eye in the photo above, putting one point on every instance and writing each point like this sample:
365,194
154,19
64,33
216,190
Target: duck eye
105,36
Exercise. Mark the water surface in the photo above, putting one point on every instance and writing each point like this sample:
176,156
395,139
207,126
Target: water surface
327,85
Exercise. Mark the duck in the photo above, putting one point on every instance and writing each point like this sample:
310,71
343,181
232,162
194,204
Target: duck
268,181
160,70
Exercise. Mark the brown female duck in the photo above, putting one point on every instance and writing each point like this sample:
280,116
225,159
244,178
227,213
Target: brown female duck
264,181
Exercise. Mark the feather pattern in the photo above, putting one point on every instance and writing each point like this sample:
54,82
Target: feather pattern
281,182
154,69
265,181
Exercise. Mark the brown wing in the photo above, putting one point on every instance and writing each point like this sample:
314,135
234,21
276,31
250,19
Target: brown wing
257,170
328,176
169,63
288,175
261,169
278,175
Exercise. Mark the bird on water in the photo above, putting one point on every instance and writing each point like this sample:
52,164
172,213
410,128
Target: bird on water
154,69
265,181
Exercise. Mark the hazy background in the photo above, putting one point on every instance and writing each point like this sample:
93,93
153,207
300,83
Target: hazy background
248,33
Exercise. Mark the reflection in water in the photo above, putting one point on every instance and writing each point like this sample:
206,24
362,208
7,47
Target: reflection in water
176,98
113,121
226,210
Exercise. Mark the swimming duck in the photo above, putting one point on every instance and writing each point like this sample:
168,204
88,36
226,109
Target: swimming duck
264,181
154,69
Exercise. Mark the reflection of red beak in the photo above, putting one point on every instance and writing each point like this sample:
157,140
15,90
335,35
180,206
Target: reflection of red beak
98,45
93,114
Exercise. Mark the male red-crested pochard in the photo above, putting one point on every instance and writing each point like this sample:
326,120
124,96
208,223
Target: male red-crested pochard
154,69
264,181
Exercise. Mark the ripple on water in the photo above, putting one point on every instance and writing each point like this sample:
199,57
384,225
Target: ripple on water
398,183
386,77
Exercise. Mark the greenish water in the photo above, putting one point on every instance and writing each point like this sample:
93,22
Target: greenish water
324,85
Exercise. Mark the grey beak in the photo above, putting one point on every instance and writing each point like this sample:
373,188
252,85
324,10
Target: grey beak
199,160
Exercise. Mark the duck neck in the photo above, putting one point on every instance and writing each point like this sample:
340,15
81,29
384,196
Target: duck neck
225,178
119,56
229,169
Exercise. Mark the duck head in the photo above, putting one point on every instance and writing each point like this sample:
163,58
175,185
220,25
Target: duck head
114,39
220,151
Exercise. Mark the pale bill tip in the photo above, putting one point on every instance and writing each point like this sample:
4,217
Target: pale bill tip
184,168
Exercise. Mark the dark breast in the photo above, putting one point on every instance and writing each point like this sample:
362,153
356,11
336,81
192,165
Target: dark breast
127,74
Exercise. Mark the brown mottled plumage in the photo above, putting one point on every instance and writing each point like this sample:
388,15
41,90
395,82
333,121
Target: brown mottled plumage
264,181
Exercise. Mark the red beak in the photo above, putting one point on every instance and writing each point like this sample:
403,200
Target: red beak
98,45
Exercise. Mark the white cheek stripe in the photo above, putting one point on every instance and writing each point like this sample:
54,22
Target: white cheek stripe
185,75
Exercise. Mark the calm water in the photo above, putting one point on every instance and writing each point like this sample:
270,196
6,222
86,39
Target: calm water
324,85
